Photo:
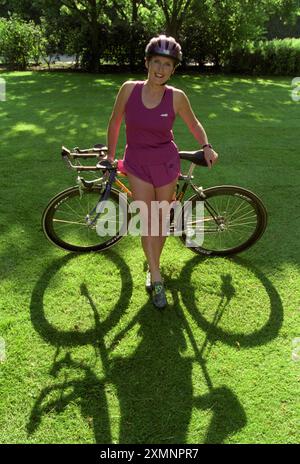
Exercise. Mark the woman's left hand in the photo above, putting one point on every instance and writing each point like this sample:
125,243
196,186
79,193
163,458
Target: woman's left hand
210,156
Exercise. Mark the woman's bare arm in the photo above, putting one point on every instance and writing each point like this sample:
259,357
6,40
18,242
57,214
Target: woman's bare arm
117,117
184,109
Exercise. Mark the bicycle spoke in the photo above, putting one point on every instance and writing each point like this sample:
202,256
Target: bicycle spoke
71,209
69,222
230,219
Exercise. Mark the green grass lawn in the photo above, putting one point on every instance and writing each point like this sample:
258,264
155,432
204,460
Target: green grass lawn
88,358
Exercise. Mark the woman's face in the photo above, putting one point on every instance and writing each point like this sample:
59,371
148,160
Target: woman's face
160,69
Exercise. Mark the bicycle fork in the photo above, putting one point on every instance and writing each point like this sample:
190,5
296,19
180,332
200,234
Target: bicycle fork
219,220
100,206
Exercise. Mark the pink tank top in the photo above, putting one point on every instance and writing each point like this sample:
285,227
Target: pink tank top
149,134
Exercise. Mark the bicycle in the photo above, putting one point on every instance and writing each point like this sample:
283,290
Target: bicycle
234,218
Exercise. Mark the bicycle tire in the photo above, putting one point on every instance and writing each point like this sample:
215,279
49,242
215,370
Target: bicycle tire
69,238
256,214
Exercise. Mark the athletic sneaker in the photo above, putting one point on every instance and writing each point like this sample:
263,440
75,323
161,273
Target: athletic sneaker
148,284
159,298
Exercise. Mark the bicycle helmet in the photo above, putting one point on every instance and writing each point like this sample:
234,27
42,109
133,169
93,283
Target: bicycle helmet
164,46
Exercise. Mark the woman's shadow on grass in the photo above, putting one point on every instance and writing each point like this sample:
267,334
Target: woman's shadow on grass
154,384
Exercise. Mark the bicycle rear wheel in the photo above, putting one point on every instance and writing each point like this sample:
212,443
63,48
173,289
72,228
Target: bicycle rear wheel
67,220
233,220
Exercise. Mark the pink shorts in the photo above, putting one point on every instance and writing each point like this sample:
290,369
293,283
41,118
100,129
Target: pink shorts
158,175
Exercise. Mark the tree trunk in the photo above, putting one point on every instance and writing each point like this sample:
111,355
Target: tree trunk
94,64
174,15
173,28
134,19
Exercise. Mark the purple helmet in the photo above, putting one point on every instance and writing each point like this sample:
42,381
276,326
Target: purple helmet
164,46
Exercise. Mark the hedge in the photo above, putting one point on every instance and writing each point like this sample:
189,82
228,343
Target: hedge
275,57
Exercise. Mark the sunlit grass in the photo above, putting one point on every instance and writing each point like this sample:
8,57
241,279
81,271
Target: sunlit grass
88,358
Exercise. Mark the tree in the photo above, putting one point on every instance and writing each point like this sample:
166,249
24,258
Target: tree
285,20
25,9
131,24
175,12
90,13
20,41
213,27
124,20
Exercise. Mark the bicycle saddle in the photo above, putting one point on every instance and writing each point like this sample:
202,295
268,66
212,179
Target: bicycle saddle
196,157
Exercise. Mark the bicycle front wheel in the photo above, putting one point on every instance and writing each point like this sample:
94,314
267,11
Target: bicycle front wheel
233,220
72,221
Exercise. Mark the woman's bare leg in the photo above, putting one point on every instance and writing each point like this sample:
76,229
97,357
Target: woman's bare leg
152,244
164,193
144,191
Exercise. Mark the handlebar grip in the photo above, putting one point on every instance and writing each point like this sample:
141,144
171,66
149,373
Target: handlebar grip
65,159
100,146
65,156
96,150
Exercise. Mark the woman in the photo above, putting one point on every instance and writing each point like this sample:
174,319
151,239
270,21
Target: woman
151,158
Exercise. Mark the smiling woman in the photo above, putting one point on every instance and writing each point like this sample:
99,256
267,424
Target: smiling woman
151,160
160,69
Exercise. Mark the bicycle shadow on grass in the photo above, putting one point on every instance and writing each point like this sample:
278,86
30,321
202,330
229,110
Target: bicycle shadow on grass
270,326
158,406
228,413
71,338
89,391
154,384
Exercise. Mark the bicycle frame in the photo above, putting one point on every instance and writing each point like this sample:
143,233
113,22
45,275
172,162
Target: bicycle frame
234,218
113,179
187,179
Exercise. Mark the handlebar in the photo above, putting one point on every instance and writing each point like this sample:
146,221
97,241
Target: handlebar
98,151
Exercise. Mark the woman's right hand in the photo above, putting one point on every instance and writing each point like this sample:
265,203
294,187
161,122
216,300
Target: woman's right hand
106,162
